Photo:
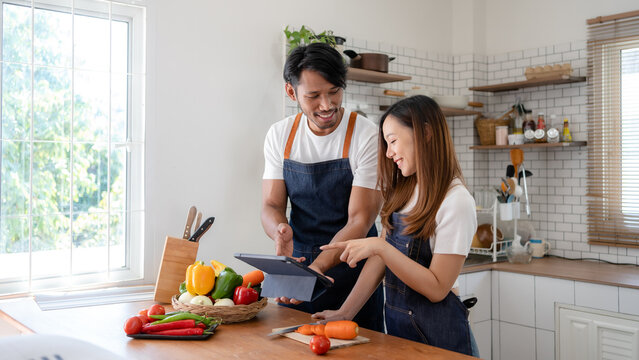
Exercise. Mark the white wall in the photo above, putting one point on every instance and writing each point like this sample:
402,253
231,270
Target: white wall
518,24
214,86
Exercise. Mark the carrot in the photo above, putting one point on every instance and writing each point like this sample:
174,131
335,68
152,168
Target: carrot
305,329
342,329
318,329
254,277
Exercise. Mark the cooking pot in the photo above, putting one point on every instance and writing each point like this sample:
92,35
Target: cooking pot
369,61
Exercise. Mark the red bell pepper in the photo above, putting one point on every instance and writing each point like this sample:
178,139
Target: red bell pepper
244,295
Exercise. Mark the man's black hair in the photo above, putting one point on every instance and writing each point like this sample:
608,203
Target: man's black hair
318,57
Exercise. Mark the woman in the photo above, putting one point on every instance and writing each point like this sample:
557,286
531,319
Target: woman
429,220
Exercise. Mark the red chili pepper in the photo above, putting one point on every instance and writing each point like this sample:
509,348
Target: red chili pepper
180,332
181,324
245,295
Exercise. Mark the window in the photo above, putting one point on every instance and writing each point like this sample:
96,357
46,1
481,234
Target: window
613,178
72,141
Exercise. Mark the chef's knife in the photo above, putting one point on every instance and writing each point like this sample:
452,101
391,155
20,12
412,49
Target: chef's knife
289,329
189,222
198,220
202,229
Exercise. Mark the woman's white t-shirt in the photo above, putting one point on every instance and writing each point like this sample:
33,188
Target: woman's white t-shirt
309,148
456,221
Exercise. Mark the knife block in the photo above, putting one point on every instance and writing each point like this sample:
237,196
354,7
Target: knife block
178,254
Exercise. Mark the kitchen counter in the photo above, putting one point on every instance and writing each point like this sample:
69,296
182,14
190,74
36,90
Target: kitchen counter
577,270
103,326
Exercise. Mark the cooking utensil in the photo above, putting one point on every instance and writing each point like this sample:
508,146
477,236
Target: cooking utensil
288,329
516,157
202,229
369,61
452,101
189,222
521,173
510,171
198,220
526,190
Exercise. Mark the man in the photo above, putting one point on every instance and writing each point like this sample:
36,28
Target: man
324,160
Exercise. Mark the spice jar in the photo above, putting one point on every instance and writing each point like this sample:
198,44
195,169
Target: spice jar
501,135
540,132
552,135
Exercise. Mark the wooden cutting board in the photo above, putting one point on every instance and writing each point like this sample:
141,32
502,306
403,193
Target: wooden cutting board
335,343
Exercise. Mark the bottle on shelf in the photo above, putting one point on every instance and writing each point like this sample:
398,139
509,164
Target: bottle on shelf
515,123
529,127
565,135
540,132
552,135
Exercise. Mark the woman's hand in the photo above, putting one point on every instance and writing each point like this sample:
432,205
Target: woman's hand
355,250
330,315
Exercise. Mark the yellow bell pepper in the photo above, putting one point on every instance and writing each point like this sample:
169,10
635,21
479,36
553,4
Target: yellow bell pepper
203,279
218,266
189,277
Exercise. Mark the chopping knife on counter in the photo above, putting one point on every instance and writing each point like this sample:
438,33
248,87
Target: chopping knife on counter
193,222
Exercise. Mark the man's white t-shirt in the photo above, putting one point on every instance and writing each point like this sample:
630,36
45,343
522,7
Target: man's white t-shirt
456,221
309,148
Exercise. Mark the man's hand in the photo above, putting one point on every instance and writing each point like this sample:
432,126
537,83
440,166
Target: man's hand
286,300
284,240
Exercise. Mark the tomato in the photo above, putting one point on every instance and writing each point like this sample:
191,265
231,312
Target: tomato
133,325
144,319
320,344
144,313
156,309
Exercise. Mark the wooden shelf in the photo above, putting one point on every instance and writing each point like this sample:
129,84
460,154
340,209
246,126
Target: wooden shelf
447,111
373,76
529,83
529,146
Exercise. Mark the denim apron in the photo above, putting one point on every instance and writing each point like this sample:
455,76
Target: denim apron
411,315
319,194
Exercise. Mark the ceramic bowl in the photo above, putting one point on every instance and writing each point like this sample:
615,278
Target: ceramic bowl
452,101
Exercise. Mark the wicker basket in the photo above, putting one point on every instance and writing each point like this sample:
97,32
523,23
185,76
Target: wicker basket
228,314
486,129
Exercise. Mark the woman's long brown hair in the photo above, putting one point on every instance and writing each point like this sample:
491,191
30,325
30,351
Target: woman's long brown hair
436,166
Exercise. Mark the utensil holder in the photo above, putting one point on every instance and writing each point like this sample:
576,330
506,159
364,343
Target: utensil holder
178,254
509,211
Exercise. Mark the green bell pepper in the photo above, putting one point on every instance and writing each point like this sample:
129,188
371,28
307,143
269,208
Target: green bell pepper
226,283
183,287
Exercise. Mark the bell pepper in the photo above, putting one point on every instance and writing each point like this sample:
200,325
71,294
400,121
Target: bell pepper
203,279
218,266
189,277
226,284
244,295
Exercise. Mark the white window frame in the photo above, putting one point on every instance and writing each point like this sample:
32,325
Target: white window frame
133,272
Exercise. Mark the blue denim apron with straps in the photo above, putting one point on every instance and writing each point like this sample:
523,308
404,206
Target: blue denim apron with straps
319,194
411,315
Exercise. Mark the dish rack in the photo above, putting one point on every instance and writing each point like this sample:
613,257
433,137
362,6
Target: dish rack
497,248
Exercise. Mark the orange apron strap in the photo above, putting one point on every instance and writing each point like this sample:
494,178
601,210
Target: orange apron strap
349,134
291,136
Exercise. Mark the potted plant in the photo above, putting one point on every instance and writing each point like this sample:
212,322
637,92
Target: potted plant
306,36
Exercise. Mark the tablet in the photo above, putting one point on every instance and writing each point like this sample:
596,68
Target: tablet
286,277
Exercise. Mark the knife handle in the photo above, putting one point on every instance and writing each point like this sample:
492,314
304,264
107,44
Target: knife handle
206,225
189,222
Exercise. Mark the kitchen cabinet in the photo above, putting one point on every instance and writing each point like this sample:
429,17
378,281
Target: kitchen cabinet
528,83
